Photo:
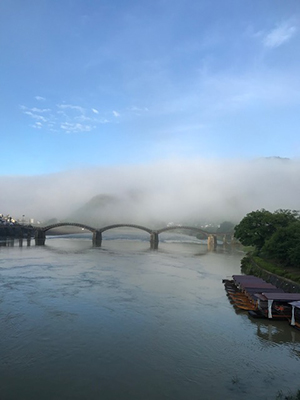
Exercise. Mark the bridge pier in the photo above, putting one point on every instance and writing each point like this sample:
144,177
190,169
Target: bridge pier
28,238
40,237
212,242
225,240
154,240
234,241
97,238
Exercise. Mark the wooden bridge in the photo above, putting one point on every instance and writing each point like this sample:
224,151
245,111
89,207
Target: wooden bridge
40,233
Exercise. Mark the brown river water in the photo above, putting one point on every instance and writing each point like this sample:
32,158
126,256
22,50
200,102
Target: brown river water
126,322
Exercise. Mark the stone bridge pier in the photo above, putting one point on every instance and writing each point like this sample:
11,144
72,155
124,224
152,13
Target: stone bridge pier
212,242
154,240
40,237
97,238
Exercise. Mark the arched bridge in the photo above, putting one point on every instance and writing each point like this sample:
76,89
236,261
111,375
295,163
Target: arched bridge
189,228
142,228
58,225
40,233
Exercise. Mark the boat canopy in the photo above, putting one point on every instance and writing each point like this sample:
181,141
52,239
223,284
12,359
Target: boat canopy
261,285
276,296
295,304
254,290
246,278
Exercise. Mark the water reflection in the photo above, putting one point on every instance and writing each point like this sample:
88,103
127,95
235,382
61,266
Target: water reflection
279,332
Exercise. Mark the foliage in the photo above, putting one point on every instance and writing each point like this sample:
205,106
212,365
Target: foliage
274,236
268,266
258,226
284,245
255,228
249,268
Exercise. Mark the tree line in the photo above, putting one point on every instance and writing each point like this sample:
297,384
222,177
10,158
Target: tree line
275,236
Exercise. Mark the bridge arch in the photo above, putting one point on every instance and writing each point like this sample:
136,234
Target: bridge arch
211,237
108,227
190,228
40,233
59,224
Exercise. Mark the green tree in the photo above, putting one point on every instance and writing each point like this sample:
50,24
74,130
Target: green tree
284,245
257,227
282,218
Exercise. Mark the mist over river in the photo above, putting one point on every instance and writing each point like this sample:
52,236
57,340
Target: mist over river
126,322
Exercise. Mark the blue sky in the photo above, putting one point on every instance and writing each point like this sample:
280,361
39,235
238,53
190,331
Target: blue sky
114,83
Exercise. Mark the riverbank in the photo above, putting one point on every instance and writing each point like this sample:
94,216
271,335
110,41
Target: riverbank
288,280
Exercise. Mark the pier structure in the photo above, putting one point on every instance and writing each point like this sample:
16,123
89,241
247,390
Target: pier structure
10,235
97,238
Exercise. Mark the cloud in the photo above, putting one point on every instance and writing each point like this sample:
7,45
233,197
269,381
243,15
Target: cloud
280,35
35,113
40,110
66,118
40,98
35,116
116,114
37,125
71,107
175,190
139,109
75,127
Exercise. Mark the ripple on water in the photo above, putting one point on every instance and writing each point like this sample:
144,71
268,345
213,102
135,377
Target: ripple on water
126,322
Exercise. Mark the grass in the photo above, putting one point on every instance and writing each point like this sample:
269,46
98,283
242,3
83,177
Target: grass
290,273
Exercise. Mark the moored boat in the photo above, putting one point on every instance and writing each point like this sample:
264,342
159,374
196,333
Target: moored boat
276,305
241,290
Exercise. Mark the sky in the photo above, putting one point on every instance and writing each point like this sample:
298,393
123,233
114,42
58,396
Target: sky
113,85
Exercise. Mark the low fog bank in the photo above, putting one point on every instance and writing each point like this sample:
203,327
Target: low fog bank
173,191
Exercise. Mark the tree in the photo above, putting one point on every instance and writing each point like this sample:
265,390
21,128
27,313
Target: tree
284,245
282,218
258,226
255,228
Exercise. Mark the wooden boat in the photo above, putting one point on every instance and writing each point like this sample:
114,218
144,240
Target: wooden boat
243,302
256,313
242,288
276,305
242,299
241,296
237,294
227,281
246,306
232,288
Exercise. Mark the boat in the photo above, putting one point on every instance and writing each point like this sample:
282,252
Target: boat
246,307
274,305
242,289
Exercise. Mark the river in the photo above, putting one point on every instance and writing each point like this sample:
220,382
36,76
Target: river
126,322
